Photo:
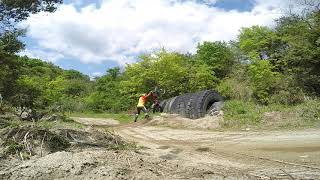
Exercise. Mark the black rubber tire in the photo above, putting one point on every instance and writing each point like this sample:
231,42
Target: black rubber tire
200,102
165,106
179,103
162,105
181,109
190,105
171,103
215,108
168,105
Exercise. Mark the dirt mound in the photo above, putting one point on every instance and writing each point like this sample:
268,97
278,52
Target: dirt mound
176,121
99,164
25,142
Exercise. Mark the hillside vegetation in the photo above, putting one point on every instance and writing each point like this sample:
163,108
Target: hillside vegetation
265,69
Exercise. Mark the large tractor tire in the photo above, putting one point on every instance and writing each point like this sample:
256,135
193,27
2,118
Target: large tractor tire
190,105
179,104
176,104
162,105
168,105
181,109
200,103
193,105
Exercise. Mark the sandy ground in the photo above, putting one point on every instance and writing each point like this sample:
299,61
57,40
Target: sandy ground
171,153
96,121
263,155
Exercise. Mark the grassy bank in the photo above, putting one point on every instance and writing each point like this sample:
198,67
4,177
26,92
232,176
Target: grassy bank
239,114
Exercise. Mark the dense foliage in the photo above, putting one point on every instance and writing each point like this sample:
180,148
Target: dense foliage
39,85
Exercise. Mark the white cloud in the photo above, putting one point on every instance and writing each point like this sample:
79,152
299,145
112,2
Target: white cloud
97,74
50,56
120,29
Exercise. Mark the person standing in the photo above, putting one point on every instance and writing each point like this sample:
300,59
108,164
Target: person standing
141,106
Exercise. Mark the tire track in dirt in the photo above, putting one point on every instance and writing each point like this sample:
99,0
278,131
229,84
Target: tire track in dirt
240,151
254,155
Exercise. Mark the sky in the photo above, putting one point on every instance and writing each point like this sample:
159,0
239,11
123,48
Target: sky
92,36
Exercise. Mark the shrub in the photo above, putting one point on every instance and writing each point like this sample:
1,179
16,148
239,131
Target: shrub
287,92
231,88
5,108
263,80
239,113
288,97
310,111
70,104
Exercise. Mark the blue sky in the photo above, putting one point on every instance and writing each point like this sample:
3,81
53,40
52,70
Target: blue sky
92,36
240,5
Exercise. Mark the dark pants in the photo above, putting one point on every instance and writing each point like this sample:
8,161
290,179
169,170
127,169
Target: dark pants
139,109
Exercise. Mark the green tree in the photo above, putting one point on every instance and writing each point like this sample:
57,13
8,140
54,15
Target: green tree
217,55
263,80
76,84
301,51
114,72
76,75
9,41
174,72
14,11
107,93
257,42
10,70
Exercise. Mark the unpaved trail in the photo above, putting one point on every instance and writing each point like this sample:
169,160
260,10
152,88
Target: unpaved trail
168,153
96,121
261,155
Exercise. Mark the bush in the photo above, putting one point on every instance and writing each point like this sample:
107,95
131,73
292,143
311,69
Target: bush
310,111
70,104
287,92
239,113
5,108
290,96
231,88
263,80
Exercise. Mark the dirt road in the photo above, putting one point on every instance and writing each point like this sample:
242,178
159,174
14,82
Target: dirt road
261,155
100,122
171,153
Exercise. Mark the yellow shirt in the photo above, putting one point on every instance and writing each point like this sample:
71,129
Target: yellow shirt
142,101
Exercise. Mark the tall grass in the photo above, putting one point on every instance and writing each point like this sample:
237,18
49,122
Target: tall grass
240,114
